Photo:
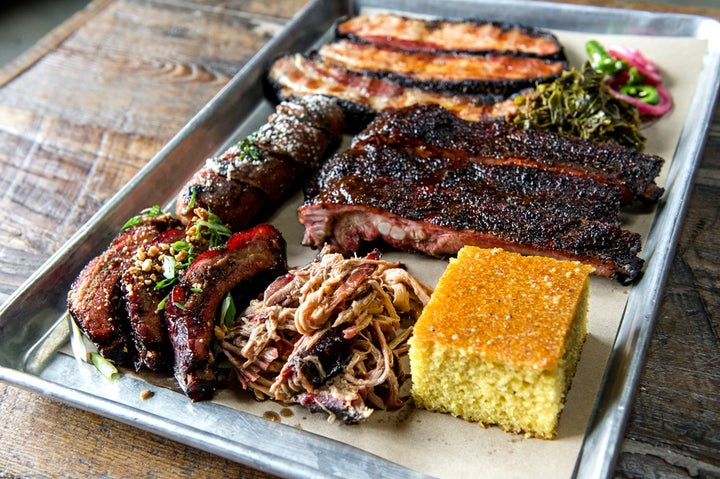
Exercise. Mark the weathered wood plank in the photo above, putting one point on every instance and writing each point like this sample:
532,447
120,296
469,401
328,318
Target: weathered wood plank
38,445
98,105
675,421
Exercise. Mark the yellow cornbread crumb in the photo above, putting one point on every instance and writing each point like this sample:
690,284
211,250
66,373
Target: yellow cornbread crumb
500,339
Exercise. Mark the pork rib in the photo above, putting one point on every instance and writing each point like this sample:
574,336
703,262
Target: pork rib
95,297
447,35
256,254
440,222
420,179
142,300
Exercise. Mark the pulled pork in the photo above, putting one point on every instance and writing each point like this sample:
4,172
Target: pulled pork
330,336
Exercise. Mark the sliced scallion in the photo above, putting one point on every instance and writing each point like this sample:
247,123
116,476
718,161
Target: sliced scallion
227,311
103,365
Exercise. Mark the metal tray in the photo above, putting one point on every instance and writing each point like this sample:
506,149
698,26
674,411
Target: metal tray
32,330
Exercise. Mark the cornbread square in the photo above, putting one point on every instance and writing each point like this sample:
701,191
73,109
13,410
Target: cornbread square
500,339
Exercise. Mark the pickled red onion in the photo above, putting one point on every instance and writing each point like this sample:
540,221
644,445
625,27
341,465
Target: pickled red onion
653,77
636,59
647,109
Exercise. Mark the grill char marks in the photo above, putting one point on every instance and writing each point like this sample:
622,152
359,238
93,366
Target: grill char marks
467,36
406,180
427,128
260,171
491,74
95,298
195,300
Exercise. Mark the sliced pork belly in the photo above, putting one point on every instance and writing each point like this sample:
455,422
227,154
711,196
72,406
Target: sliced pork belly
474,36
491,74
362,96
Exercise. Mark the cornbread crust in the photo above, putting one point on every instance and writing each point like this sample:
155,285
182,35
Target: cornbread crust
500,339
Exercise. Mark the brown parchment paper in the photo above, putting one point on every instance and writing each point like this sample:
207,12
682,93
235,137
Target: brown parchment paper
446,447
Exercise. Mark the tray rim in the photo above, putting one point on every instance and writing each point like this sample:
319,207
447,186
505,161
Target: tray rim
612,406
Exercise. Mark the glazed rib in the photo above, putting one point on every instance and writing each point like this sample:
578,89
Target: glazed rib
255,255
447,35
95,298
259,171
493,74
142,300
429,128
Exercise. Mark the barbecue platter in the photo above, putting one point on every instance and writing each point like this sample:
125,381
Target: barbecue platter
389,146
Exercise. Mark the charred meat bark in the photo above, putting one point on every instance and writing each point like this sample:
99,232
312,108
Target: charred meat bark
362,96
429,128
95,298
428,172
475,36
262,169
490,74
254,254
444,221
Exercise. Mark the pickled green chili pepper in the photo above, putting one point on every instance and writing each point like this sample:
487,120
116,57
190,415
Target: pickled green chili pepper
601,60
634,77
644,93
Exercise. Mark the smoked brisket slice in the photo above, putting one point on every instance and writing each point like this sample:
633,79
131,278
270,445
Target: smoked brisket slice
490,74
430,128
362,96
464,36
516,186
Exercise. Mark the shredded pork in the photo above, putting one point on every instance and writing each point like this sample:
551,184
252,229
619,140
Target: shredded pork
330,336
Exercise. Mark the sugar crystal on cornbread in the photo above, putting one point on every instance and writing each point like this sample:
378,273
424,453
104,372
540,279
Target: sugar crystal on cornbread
500,339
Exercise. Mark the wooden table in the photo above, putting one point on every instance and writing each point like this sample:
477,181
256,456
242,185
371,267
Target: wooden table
85,108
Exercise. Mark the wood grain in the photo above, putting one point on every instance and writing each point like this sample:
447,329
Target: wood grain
675,421
80,114
87,107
